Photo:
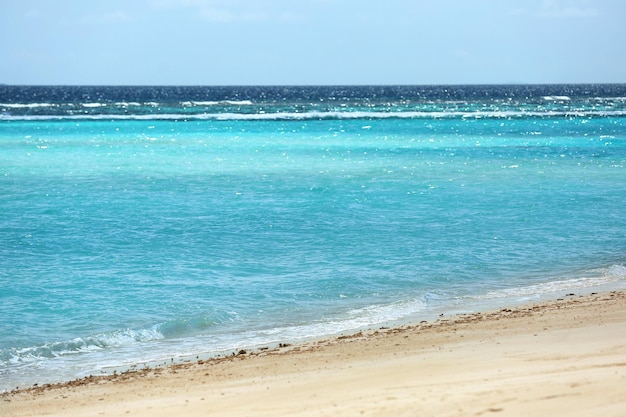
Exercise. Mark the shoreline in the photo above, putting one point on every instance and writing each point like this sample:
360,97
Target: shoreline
557,356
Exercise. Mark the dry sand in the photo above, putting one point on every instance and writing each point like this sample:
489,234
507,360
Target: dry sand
560,358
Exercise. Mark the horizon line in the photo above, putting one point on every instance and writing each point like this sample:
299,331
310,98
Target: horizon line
316,85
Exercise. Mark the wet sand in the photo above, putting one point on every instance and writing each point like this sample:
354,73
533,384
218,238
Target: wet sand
566,357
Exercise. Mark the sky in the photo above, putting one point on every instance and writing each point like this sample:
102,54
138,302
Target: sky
311,42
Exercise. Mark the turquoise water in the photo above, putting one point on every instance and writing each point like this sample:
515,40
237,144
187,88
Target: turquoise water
143,224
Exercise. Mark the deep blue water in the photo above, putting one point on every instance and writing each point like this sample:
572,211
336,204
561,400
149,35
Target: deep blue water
143,223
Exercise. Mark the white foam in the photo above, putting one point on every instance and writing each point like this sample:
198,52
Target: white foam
125,349
216,103
26,106
102,341
239,102
93,105
605,276
556,98
609,99
317,115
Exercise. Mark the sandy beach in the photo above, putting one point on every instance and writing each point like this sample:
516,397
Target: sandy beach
566,357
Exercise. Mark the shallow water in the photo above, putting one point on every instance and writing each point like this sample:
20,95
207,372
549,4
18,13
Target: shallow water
144,223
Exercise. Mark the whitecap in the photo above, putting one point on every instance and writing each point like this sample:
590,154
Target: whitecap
320,115
26,106
556,98
93,105
216,103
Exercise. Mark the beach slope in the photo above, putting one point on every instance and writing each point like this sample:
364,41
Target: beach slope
561,358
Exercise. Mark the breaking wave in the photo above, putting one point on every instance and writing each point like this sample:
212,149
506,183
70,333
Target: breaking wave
316,115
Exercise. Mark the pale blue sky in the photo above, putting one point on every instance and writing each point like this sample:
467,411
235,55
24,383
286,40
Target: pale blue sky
274,42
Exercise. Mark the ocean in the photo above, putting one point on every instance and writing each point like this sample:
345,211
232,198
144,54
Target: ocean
144,225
